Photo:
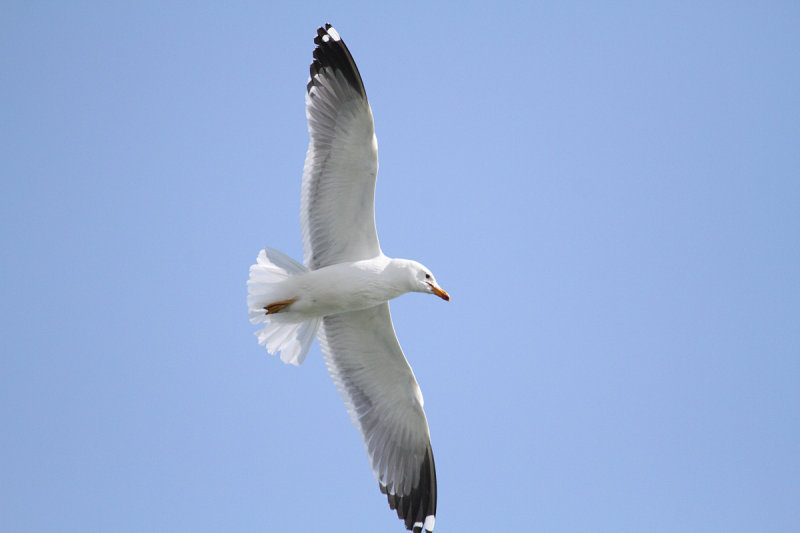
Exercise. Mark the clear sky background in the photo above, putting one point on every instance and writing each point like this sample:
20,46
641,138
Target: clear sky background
610,193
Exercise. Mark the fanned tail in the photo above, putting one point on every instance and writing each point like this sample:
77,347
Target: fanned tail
266,286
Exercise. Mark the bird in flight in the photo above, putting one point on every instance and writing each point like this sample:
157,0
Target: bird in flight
341,294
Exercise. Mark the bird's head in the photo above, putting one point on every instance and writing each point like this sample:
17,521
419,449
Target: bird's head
423,281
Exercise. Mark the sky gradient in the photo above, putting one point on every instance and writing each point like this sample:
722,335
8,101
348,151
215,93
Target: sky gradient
610,194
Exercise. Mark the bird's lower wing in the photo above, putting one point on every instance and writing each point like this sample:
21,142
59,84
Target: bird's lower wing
385,403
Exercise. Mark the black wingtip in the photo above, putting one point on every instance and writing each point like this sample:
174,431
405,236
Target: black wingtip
331,52
418,508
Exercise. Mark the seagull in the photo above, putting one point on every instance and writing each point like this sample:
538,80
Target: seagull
340,295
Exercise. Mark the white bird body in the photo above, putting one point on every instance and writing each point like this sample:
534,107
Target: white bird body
344,287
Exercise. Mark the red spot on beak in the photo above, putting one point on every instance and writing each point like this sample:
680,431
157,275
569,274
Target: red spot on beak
439,292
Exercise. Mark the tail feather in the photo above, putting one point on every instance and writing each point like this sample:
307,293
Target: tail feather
279,334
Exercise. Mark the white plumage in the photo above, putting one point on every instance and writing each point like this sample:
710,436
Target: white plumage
341,294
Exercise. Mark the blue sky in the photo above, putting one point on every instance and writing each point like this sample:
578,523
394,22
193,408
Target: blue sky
610,194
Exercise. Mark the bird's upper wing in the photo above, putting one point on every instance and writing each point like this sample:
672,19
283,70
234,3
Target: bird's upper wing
337,211
385,403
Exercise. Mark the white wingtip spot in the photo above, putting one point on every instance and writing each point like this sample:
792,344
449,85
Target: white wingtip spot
429,522
334,34
325,38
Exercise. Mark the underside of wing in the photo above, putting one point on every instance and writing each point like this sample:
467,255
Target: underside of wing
384,402
337,212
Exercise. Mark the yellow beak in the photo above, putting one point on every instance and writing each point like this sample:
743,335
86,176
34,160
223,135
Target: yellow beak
440,293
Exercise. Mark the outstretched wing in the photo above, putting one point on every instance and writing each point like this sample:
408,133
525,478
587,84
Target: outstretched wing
385,403
337,210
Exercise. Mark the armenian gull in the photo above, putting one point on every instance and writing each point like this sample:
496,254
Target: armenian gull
341,294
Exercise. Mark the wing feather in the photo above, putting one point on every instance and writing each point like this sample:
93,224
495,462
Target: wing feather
337,209
385,403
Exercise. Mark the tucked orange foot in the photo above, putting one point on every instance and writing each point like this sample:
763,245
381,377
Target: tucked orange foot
276,307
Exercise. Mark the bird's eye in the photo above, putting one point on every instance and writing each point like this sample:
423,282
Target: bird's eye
427,276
